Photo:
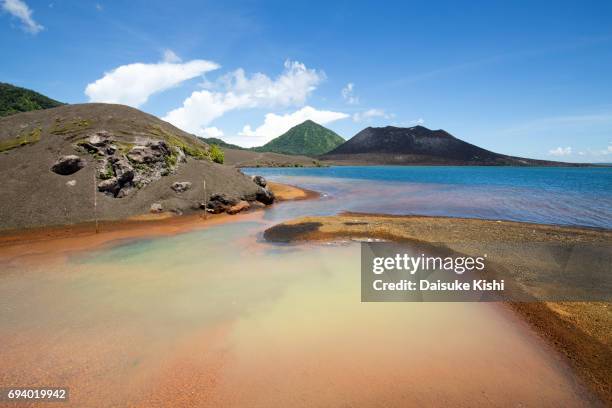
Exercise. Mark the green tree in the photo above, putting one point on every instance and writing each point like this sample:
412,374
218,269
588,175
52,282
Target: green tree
216,154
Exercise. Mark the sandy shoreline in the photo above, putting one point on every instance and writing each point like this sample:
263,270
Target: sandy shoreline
581,331
285,192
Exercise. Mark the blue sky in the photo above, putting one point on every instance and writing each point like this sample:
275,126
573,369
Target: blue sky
528,78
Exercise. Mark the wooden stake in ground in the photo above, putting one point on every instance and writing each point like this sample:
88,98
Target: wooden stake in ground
95,197
204,194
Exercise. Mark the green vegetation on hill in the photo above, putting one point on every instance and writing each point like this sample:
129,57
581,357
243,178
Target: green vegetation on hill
22,139
216,154
221,143
14,100
308,139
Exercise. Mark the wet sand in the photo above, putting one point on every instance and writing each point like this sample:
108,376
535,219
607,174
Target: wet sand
582,331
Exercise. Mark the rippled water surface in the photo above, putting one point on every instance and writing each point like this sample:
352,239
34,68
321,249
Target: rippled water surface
549,195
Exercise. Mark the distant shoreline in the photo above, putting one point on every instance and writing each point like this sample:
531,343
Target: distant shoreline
327,163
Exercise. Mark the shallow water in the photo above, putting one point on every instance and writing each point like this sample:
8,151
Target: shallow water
216,317
547,195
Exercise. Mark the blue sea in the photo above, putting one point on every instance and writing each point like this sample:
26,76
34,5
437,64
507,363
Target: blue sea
548,195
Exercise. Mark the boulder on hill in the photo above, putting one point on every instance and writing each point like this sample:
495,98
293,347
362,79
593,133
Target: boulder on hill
219,203
156,208
149,153
260,181
265,196
122,168
110,186
181,186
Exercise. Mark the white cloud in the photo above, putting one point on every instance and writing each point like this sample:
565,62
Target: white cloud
133,84
212,132
275,125
603,152
171,57
590,154
237,91
371,114
348,94
560,151
20,10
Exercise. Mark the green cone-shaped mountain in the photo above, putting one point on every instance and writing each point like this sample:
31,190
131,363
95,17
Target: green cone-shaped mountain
14,100
308,139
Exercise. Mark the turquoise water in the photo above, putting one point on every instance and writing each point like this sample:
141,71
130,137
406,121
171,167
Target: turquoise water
549,195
